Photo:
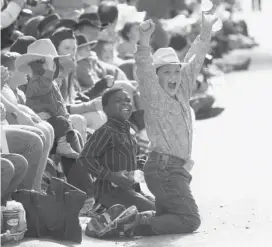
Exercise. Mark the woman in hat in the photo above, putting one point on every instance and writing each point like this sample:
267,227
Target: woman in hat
66,43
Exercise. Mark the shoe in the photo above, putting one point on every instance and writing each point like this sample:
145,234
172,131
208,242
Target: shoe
65,149
87,207
114,222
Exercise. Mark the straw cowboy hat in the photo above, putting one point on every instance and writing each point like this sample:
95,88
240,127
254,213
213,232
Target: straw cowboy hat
165,56
42,48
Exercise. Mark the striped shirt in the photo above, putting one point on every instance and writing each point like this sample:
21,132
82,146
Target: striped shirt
168,120
110,149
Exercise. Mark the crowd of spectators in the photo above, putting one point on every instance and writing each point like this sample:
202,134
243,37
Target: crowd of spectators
58,57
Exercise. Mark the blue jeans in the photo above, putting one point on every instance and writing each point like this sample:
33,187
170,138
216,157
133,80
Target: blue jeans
176,209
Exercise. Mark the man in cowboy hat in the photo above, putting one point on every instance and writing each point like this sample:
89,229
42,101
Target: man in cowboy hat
41,63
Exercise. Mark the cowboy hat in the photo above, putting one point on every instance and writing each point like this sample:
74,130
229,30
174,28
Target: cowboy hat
40,49
82,41
91,19
164,56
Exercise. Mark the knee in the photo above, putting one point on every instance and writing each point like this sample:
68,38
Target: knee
193,223
79,120
22,165
7,168
37,146
19,162
50,130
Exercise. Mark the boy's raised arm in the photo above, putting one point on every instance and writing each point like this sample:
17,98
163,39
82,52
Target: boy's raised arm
200,47
145,70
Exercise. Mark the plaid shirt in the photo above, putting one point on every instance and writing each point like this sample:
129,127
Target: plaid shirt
110,149
169,121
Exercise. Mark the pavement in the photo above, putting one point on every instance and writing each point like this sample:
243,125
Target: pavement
232,177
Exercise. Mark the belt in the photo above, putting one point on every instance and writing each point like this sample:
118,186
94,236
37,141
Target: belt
167,158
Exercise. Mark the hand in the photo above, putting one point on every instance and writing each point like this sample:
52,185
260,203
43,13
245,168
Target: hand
209,17
67,64
44,115
146,29
110,80
208,21
121,179
188,166
36,119
25,119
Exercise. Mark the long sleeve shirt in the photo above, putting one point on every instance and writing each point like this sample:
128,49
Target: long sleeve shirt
43,95
111,149
168,120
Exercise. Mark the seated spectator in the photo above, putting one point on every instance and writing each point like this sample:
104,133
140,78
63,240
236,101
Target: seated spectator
20,45
108,14
104,50
19,115
9,14
85,73
111,152
30,28
13,170
42,94
90,26
48,25
130,38
65,43
25,143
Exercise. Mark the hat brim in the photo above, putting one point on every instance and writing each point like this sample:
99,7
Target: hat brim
21,63
92,44
160,65
86,22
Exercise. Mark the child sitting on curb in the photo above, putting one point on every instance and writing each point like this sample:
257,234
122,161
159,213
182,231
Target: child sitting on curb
43,96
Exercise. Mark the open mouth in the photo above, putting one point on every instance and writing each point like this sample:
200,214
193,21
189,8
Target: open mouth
126,110
172,85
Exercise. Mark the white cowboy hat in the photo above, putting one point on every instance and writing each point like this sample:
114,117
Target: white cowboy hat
165,56
42,48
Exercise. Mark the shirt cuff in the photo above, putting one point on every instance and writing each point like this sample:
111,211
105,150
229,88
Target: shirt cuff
143,50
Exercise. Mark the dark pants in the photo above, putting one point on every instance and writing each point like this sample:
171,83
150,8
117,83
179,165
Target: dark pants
79,177
127,198
61,126
176,209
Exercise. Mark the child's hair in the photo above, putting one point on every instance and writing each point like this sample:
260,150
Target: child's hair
108,12
108,93
126,29
8,59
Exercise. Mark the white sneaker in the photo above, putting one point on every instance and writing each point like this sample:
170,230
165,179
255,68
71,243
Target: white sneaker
65,149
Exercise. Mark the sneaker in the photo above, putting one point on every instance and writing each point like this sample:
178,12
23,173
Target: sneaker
115,221
87,207
65,149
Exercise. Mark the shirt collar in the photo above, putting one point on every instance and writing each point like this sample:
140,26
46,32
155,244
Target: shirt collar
120,124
